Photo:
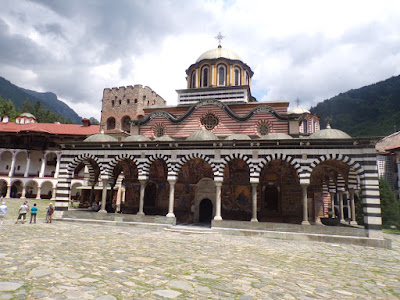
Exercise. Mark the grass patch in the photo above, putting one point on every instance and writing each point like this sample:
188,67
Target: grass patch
13,205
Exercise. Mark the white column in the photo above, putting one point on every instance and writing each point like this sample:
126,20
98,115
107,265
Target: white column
254,201
23,194
104,197
57,165
8,191
218,185
341,214
305,209
353,208
333,204
171,182
141,199
38,193
28,164
11,172
41,174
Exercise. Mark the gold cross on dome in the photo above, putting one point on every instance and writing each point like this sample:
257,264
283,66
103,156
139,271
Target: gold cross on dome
219,37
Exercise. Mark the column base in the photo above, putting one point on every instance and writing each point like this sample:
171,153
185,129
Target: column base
253,220
102,211
217,218
140,213
170,215
353,223
305,223
343,222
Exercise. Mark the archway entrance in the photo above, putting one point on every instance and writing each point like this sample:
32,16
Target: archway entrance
205,211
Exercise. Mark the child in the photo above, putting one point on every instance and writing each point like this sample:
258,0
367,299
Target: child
33,213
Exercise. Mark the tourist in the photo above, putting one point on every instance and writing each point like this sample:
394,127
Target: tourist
3,212
33,213
49,213
23,210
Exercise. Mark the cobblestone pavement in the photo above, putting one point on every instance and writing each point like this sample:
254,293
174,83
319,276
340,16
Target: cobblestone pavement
66,260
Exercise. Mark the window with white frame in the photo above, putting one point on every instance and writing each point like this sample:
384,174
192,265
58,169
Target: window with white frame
193,80
237,76
221,75
205,71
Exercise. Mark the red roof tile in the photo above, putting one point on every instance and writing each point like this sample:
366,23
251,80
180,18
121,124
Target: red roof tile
50,128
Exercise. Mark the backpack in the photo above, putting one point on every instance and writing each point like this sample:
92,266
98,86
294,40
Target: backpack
51,209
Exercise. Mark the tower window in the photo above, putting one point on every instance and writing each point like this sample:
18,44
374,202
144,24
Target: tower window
135,100
110,123
126,124
221,75
205,76
119,102
128,101
193,80
237,76
112,103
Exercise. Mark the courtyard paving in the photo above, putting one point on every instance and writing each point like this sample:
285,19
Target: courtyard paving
66,260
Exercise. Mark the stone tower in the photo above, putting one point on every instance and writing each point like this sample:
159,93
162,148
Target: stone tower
123,104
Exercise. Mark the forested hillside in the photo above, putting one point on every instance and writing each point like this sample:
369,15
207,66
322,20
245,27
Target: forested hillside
48,101
372,110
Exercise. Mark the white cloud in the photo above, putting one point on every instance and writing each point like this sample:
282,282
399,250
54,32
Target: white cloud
307,49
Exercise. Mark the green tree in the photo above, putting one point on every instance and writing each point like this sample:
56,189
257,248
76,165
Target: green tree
94,121
389,205
7,108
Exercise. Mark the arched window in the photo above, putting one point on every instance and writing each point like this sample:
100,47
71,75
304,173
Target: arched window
126,124
221,75
193,80
205,76
247,78
237,76
110,123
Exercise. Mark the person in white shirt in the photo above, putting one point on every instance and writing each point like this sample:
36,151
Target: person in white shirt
3,212
23,210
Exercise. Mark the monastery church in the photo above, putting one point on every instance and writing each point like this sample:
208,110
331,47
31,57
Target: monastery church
218,157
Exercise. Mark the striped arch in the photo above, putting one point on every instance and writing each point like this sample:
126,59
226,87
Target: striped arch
81,158
151,159
190,156
229,158
355,168
286,158
117,159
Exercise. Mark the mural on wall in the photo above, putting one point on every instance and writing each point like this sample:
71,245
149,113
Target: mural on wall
185,188
131,183
157,189
279,192
158,171
236,191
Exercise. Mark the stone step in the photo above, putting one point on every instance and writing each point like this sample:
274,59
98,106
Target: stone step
191,229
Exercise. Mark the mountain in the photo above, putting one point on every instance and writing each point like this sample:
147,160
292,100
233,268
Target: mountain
373,110
18,95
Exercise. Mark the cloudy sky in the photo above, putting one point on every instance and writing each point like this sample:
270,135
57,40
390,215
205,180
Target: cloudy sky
312,50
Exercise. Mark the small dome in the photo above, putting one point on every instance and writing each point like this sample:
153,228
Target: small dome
100,138
217,53
298,111
276,136
27,115
330,133
165,138
202,135
238,137
136,138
